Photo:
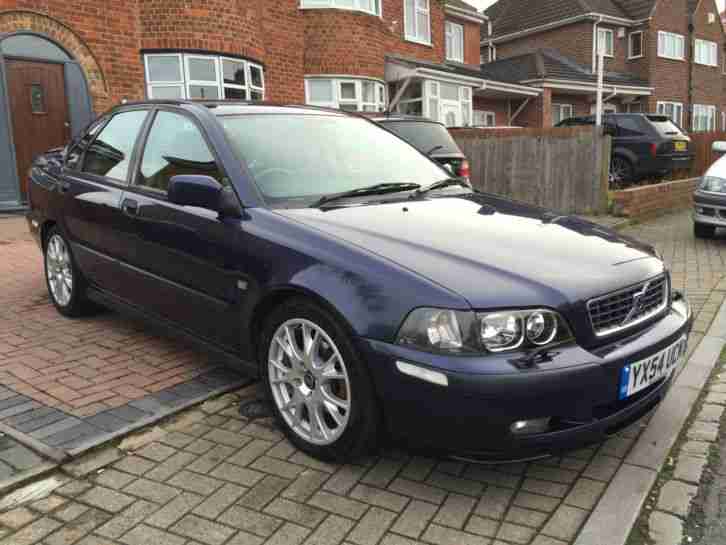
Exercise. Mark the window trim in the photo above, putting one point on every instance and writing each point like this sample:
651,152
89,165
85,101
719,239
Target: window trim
147,74
707,107
560,106
331,4
665,103
665,35
612,41
203,83
336,82
416,11
712,47
449,32
630,45
485,114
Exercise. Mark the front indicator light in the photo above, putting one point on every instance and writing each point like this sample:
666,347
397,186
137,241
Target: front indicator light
530,427
427,375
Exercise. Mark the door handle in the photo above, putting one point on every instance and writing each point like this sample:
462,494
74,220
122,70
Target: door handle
64,187
130,207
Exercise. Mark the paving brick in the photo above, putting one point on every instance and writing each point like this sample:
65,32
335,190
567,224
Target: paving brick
703,431
92,462
146,535
203,530
418,468
415,518
236,474
711,413
381,498
264,492
338,505
536,501
455,511
277,467
157,452
134,465
372,526
174,510
440,535
32,533
455,484
306,484
71,512
251,521
106,499
345,479
244,538
16,518
46,505
383,472
194,482
289,534
675,497
602,468
665,529
152,491
211,459
304,460
690,468
515,533
331,531
296,512
525,517
482,526
489,476
494,502
236,440
695,448
128,519
585,494
71,533
417,490
199,446
170,466
393,539
565,523
215,504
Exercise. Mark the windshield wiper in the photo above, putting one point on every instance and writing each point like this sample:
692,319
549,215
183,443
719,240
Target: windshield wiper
434,149
377,189
448,182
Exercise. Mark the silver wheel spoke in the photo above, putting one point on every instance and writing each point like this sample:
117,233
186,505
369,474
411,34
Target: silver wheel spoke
295,354
334,400
333,412
59,271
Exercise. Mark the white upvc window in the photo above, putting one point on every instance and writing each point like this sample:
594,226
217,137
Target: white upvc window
723,121
449,103
196,76
635,45
417,21
368,6
606,41
671,46
466,106
704,118
560,112
705,52
484,119
674,110
350,94
454,42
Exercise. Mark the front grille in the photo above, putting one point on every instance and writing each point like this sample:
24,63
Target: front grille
627,307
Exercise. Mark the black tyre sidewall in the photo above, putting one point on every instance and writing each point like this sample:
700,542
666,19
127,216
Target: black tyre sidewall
362,428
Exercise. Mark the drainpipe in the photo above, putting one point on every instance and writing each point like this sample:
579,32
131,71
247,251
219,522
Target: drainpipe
691,45
595,44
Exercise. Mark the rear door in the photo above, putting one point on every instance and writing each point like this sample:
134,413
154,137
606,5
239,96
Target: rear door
96,172
185,259
633,135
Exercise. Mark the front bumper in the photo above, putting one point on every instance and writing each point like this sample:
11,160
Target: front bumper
472,416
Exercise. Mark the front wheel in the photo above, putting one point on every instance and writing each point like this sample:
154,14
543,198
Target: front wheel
321,392
621,172
702,230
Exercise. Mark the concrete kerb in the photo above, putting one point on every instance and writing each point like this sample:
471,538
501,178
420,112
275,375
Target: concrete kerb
614,516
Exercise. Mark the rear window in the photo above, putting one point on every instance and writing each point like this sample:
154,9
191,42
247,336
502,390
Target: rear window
424,136
664,125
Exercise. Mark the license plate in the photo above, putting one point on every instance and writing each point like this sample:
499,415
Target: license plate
641,374
681,146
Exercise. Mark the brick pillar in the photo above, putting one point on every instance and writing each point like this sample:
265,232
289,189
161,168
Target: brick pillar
546,108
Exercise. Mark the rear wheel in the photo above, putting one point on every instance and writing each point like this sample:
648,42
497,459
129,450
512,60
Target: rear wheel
321,392
621,171
702,230
66,285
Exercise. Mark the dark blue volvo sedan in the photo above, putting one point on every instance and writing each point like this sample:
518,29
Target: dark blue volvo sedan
367,288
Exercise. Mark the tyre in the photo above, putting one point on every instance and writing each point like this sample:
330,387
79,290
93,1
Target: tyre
321,392
622,171
702,230
66,285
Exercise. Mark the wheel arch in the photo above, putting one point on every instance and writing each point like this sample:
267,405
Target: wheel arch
626,154
45,229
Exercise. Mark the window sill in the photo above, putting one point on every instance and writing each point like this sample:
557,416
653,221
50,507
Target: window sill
354,10
706,65
457,61
636,58
417,41
671,58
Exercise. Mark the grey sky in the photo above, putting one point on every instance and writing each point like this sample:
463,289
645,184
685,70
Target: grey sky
483,4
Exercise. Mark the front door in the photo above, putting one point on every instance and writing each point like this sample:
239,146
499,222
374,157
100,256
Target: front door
39,111
451,114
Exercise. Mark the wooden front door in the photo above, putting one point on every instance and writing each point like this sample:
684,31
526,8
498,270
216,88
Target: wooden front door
38,109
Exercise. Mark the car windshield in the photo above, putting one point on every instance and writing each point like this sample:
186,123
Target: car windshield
664,125
296,159
424,136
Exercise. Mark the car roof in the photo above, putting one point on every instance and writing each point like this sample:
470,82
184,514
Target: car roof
234,107
399,118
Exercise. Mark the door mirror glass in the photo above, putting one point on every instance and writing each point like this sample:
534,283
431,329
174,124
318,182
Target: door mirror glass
195,190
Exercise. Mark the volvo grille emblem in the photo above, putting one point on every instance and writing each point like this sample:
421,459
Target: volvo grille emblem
637,303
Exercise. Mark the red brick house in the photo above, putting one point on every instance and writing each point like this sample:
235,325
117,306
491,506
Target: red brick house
662,56
63,61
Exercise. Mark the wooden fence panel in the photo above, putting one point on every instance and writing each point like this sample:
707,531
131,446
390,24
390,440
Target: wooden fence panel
561,169
705,156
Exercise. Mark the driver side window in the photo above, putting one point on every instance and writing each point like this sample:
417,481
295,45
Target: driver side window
175,146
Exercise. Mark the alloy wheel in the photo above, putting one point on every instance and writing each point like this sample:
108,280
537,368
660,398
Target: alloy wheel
309,381
59,270
619,171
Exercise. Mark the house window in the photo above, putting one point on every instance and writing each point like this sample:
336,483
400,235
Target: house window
704,118
484,119
353,95
705,52
368,6
674,110
560,112
437,100
635,45
454,42
180,75
671,46
417,19
606,41
723,121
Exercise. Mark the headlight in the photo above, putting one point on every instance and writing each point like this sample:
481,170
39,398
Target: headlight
713,184
457,332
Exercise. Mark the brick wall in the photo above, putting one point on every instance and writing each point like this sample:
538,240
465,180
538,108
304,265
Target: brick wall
651,200
472,39
708,80
500,108
574,41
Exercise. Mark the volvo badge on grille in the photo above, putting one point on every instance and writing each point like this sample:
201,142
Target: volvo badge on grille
637,303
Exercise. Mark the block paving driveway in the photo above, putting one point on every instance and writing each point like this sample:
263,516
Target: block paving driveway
215,478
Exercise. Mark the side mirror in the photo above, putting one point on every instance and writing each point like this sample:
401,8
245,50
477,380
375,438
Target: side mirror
194,190
719,147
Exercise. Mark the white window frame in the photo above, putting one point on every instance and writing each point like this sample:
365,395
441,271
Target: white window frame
484,118
562,108
707,112
186,81
663,38
378,105
454,41
419,6
709,48
723,121
677,116
600,33
641,34
357,5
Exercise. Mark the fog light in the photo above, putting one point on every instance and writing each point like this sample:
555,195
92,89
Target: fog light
422,373
699,210
529,427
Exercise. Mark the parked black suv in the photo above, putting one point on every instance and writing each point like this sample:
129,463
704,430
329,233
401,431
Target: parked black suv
429,137
643,145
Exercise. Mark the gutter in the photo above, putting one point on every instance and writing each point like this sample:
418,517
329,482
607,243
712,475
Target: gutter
465,14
